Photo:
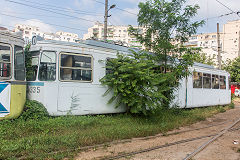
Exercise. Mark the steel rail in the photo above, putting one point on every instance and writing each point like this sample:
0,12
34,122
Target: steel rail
210,141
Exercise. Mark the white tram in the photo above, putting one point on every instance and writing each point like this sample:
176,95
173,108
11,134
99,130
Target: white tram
66,79
206,86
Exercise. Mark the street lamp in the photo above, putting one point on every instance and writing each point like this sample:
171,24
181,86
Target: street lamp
106,17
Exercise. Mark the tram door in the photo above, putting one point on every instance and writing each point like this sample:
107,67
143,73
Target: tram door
43,87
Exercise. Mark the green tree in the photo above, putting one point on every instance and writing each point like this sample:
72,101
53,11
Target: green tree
142,81
233,67
166,22
28,62
201,57
167,26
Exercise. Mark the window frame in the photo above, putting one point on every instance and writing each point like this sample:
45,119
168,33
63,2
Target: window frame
23,63
204,76
11,64
39,62
201,80
220,78
74,54
216,81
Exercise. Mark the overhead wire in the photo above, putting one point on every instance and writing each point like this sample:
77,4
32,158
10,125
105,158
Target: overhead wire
228,8
33,14
49,10
54,6
44,22
116,8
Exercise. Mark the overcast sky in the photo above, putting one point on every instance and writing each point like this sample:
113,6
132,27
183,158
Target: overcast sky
83,13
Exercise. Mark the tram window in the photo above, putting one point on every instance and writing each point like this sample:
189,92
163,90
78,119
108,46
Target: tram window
197,80
47,67
34,66
215,81
5,63
222,82
19,66
206,80
76,67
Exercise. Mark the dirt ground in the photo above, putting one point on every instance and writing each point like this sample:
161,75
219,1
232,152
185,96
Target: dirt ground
226,147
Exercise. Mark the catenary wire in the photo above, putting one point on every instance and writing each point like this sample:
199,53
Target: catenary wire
54,6
49,10
228,8
60,9
116,8
33,14
44,22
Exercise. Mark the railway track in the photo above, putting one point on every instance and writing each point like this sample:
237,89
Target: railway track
212,137
141,138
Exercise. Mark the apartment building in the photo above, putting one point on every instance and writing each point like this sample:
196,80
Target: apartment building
67,36
231,39
115,33
30,31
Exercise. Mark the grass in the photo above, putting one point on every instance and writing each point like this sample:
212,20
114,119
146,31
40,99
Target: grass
58,137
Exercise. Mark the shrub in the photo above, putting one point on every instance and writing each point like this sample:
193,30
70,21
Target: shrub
136,83
34,110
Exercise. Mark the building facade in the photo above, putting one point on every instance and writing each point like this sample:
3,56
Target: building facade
115,33
231,39
30,31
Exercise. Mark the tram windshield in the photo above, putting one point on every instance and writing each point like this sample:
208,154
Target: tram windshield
34,66
47,67
5,61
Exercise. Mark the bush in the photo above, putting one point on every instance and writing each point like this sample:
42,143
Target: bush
34,110
136,83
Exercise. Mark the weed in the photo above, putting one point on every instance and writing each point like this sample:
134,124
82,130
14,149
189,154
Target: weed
35,135
33,110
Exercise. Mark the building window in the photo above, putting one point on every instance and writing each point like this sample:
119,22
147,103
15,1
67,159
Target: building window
214,36
75,67
26,32
197,80
47,67
206,80
215,81
19,66
222,82
5,63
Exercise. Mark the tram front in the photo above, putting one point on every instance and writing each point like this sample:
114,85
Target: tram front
12,75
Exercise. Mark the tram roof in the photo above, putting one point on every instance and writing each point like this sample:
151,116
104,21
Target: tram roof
11,37
92,43
100,44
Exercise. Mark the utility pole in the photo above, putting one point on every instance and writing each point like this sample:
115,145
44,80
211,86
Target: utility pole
239,44
105,20
106,17
219,48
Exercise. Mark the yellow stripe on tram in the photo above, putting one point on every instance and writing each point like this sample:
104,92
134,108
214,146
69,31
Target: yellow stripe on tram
17,100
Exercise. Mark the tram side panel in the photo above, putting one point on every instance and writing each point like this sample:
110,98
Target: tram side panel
81,98
200,97
5,98
66,96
